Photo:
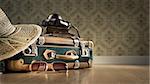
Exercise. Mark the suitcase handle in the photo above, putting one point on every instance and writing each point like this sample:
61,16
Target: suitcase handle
67,57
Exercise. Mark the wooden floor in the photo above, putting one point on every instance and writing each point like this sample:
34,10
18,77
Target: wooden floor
99,74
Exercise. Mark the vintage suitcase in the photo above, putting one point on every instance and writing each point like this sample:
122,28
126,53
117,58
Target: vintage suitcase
56,49
50,52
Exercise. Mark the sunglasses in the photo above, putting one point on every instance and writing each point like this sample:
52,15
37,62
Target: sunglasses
57,66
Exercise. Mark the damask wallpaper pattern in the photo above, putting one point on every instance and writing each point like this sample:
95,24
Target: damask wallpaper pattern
117,27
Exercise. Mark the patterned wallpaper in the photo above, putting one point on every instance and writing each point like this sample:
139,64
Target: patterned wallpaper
117,27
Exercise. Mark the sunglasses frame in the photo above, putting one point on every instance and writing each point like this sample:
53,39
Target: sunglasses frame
49,66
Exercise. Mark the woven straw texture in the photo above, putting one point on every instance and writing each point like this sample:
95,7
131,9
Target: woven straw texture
22,36
5,26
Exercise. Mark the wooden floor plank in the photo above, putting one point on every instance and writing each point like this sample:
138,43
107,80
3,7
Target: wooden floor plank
99,74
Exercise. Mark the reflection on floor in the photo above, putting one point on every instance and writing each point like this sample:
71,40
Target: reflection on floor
99,74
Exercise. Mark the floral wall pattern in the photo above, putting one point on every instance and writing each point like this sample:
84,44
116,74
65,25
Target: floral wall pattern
117,27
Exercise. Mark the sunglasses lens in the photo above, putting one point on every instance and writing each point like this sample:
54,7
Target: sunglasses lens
38,66
60,67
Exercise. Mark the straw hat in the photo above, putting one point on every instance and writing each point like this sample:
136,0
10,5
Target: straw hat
15,38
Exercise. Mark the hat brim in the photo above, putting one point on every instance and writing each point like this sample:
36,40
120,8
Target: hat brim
24,36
